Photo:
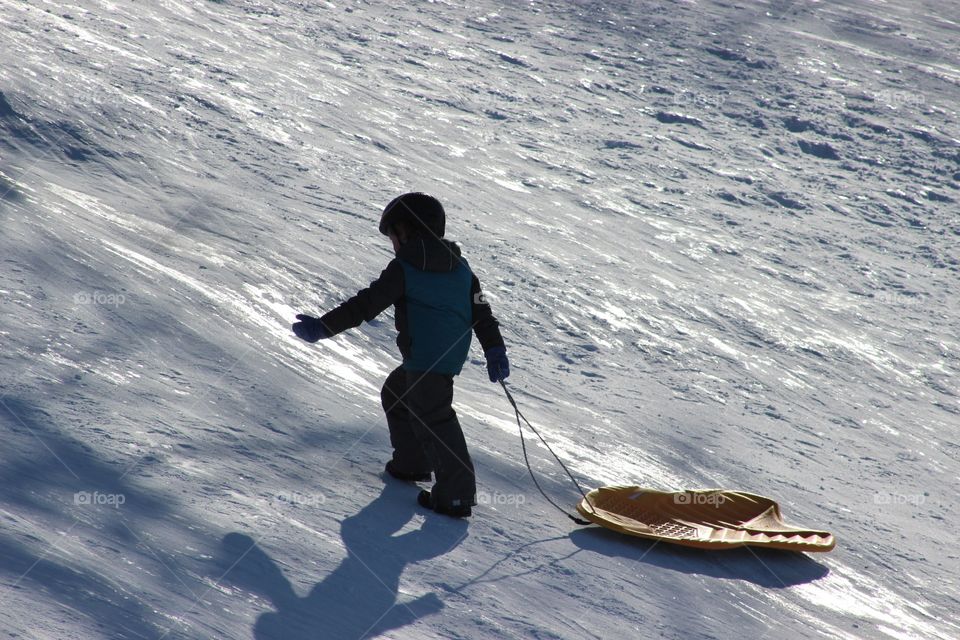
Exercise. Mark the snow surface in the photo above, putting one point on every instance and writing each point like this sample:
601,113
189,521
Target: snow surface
722,239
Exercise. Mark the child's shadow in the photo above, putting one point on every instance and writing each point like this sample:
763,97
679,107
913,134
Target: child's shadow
359,598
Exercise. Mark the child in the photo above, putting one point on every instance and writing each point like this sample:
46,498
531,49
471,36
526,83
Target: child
437,305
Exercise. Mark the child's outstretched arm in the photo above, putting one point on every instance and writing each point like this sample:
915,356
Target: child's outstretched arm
365,306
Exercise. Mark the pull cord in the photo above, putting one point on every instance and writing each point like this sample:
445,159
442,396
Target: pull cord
526,459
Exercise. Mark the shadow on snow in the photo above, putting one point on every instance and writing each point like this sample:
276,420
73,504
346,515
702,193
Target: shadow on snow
359,599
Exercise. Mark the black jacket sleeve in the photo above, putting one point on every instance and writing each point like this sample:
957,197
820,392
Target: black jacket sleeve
369,302
485,326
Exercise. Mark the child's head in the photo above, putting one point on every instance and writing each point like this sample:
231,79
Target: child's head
412,215
400,233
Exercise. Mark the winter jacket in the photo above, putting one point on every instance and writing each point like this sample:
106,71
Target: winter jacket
437,302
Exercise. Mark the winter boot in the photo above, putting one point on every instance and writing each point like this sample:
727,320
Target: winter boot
460,510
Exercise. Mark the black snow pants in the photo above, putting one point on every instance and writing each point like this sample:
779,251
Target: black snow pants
426,435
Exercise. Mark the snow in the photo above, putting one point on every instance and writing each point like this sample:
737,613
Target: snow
721,240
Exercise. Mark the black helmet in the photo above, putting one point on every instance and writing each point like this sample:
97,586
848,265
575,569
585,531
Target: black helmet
417,210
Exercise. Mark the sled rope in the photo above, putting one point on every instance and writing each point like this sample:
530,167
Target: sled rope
526,459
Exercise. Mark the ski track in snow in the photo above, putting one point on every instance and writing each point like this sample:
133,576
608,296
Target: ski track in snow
721,240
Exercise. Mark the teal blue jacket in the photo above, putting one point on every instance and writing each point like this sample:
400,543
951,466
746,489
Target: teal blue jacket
438,305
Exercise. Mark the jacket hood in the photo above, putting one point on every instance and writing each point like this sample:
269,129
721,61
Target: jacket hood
430,254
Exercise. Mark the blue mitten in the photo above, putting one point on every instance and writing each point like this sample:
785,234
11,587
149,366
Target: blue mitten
310,328
498,367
